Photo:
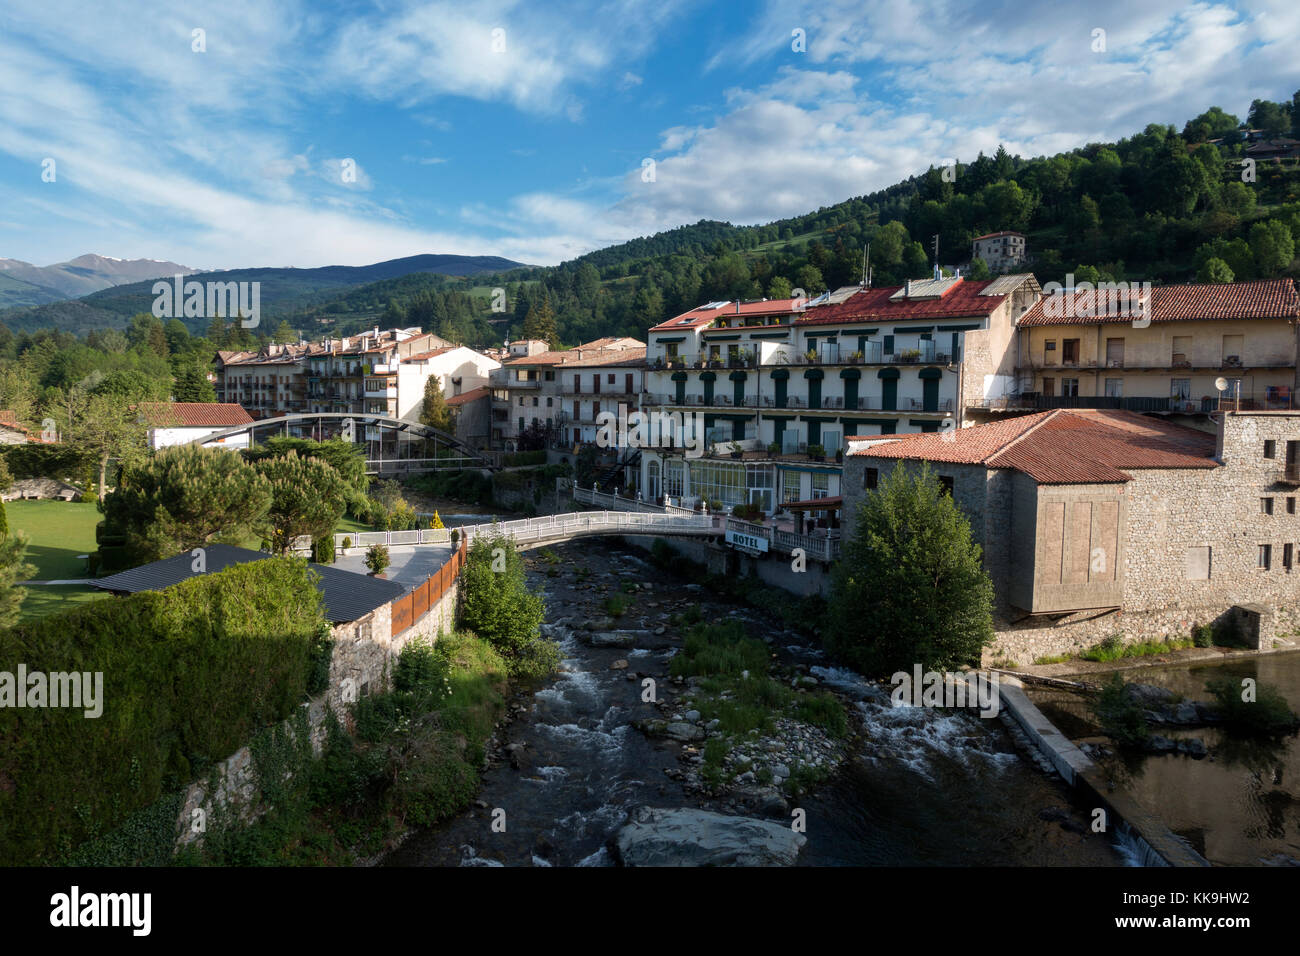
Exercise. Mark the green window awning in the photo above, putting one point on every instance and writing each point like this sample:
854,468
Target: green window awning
679,376
958,328
708,376
850,373
888,373
670,341
738,376
723,338
781,373
814,373
931,373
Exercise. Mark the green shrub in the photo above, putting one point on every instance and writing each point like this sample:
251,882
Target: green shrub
1120,717
497,605
377,558
1268,714
322,549
1203,635
190,674
616,605
825,711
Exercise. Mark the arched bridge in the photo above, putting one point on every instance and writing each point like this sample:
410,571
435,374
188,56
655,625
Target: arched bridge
551,529
392,445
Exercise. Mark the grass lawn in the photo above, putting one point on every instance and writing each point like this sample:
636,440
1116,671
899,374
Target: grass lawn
43,600
57,531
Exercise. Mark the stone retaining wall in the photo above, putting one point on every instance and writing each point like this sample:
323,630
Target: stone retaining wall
361,663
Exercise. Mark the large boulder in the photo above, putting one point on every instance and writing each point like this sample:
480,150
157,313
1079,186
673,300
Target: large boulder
687,837
623,639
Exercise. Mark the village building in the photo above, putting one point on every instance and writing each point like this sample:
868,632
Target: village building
1095,522
179,423
1000,251
1163,350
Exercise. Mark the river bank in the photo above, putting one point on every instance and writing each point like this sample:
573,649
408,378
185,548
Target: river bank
568,776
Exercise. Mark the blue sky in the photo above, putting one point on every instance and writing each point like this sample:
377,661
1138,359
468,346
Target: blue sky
235,156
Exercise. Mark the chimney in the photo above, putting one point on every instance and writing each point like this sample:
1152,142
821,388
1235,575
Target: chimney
907,288
938,272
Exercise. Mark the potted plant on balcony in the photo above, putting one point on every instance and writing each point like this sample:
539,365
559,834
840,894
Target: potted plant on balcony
911,355
810,356
773,449
816,452
855,358
839,455
736,450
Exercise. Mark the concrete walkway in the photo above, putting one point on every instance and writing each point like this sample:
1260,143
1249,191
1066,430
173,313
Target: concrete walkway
411,564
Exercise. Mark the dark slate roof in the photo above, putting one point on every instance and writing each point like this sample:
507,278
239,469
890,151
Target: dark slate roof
347,595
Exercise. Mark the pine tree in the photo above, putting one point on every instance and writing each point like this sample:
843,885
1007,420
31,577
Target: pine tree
13,568
436,412
307,498
185,497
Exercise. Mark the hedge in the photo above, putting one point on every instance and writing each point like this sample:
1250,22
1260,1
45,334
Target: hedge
191,674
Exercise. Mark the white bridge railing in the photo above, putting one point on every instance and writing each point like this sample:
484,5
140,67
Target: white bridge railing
558,527
601,499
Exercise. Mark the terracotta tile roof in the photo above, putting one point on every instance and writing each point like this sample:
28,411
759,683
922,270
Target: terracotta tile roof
629,357
1264,299
1062,447
703,315
192,414
472,395
996,235
606,351
963,299
432,353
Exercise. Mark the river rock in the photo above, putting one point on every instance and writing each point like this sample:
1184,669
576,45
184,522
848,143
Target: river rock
1160,745
618,666
688,837
1148,695
680,730
692,715
613,638
1194,747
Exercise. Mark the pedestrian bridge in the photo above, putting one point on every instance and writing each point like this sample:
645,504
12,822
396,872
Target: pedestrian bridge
547,529
392,446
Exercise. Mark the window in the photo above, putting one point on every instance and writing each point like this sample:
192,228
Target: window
821,485
549,401
1114,388
1266,506
610,379
790,481
945,484
1070,387
521,401
1182,348
674,478
535,401
1290,506
577,384
1049,352
870,477
1286,556
1198,563
1049,386
1114,353
550,376
1270,448
760,480
1070,351
1180,388
1265,560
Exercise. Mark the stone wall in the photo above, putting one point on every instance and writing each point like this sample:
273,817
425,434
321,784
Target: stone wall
362,661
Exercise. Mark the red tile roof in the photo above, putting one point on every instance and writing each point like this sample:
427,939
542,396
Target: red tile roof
1061,447
192,414
472,395
432,353
962,300
995,235
702,316
1265,299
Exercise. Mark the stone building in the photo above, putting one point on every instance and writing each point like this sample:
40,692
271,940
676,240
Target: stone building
1095,522
1000,251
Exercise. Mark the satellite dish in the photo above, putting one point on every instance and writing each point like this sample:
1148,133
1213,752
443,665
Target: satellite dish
1221,383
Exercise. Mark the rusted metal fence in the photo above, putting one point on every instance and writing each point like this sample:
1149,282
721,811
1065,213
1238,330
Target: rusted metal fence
413,605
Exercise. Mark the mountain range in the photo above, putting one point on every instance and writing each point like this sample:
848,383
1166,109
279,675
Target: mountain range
96,292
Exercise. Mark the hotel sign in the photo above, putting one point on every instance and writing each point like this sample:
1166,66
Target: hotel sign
749,542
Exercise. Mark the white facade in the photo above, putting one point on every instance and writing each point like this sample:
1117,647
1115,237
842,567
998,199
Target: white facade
460,369
181,435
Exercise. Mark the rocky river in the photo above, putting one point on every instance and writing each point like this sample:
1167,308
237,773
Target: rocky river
589,772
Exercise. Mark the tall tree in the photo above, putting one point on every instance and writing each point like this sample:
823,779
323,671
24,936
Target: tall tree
307,498
436,413
184,497
109,430
910,559
13,568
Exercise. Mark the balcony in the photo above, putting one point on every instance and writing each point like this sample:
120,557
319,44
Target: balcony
390,392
